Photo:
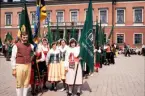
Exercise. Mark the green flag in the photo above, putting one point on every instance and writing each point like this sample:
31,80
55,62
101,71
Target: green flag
103,36
57,35
86,40
111,32
100,35
97,35
49,35
0,43
65,36
25,23
8,37
73,33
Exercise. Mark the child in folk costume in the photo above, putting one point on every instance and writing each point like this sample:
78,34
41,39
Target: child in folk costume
71,62
53,62
63,48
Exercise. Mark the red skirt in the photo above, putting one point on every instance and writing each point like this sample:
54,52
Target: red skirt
97,65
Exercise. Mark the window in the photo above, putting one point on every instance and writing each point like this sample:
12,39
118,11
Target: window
103,16
33,14
74,16
8,19
48,18
19,18
138,38
120,38
138,15
60,16
120,16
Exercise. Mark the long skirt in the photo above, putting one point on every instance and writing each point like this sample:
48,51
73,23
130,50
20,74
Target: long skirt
54,73
62,69
98,60
38,73
70,75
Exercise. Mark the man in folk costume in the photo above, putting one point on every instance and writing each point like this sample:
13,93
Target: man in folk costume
63,48
21,64
53,62
108,51
71,61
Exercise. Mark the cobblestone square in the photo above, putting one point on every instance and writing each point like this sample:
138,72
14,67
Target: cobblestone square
125,78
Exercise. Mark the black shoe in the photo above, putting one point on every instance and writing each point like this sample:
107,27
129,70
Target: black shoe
44,87
78,94
52,88
69,94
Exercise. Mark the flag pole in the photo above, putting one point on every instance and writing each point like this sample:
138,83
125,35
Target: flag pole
75,79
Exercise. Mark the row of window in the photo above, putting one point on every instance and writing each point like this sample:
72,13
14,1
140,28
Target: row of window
103,16
138,38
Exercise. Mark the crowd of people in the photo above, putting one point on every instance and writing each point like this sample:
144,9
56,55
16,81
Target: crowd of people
54,63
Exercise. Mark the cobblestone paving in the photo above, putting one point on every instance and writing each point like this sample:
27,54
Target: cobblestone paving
125,78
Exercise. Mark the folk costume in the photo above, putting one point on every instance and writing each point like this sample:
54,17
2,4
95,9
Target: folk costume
71,62
45,49
53,62
37,72
98,59
21,61
108,51
63,50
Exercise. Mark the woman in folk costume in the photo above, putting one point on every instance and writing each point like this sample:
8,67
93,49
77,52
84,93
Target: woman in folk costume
53,62
71,62
97,59
45,49
37,72
63,48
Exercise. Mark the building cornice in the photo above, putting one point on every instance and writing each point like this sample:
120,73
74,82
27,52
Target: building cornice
57,2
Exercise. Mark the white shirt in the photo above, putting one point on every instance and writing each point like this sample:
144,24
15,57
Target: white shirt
63,49
42,54
14,53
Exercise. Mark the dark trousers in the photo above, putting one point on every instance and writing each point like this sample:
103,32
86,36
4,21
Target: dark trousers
143,51
112,58
127,53
108,57
86,72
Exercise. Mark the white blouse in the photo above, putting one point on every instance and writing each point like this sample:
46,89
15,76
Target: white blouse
75,51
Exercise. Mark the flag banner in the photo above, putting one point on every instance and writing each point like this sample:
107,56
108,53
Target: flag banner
40,16
86,40
100,34
42,9
1,45
111,32
73,32
8,37
97,35
57,35
49,35
25,24
37,25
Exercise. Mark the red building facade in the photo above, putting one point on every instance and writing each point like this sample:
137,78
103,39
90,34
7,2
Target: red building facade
127,16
